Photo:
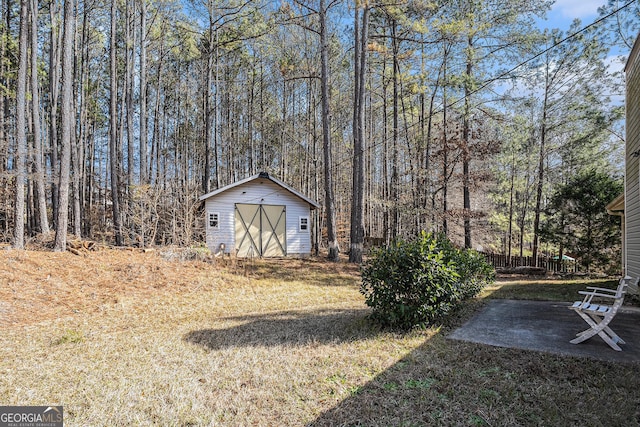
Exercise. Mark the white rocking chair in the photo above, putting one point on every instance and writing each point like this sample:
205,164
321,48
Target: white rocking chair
598,316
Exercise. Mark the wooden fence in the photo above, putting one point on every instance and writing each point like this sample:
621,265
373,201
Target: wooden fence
550,264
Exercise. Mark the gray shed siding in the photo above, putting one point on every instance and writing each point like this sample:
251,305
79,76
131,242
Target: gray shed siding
258,191
632,176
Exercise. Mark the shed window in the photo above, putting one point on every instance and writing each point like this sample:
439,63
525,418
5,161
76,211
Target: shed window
304,224
214,220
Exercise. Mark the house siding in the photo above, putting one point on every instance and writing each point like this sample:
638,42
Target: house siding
260,191
632,175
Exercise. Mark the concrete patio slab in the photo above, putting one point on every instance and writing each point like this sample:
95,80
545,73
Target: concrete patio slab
548,327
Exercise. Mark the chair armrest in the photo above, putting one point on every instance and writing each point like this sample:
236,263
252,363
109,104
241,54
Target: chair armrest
602,289
597,294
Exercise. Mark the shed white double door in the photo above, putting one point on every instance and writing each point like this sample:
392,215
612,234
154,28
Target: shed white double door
261,230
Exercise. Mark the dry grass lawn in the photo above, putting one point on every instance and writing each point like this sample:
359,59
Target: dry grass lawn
131,338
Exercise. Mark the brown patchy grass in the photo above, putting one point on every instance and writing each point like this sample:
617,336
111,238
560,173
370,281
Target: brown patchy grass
40,285
129,338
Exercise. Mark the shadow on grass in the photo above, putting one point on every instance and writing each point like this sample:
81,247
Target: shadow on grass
451,383
294,328
448,382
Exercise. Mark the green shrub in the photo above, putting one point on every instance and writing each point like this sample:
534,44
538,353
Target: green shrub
418,282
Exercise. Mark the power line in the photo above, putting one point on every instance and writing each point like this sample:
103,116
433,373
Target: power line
526,61
553,46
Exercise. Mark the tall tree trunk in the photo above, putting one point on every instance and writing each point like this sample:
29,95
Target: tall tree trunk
21,132
428,183
313,132
206,180
395,216
55,42
31,218
250,113
283,130
91,173
445,149
122,115
4,144
216,116
4,102
77,156
83,183
466,156
334,249
357,201
263,139
511,210
386,187
113,131
540,184
144,177
38,161
129,64
155,141
67,119
77,147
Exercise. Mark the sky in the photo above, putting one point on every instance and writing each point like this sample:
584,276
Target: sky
563,12
561,16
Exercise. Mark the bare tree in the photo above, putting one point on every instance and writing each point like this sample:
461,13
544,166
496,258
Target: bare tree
130,34
55,42
332,235
113,131
67,118
357,201
38,161
143,93
21,133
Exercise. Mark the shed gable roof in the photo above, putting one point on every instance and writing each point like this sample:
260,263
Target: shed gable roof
262,175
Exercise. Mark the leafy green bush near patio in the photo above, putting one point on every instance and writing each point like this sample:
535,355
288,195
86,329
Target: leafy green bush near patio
418,282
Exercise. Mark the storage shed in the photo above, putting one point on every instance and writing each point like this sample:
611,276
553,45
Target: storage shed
259,216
